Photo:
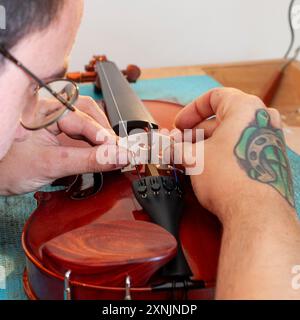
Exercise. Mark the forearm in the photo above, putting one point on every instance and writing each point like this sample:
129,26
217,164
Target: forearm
260,246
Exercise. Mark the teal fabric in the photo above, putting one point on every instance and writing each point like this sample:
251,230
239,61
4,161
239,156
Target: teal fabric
180,89
15,210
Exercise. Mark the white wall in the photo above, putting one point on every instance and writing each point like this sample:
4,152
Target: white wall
154,33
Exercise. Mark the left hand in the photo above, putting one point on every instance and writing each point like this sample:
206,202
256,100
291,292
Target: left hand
42,157
225,185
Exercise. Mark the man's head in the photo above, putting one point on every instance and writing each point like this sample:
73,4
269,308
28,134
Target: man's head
39,33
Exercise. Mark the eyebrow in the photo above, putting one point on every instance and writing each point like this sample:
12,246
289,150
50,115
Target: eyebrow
58,74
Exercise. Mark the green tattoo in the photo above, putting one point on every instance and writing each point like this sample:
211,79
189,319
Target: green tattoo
261,152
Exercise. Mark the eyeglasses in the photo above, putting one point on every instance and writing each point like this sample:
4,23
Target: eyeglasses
45,110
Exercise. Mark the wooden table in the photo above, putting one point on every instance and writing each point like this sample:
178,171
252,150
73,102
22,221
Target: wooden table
251,77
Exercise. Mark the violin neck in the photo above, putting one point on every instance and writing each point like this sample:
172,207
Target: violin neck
124,109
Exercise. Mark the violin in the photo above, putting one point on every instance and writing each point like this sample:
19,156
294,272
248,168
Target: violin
134,234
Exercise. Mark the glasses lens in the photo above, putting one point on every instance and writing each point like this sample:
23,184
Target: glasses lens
46,109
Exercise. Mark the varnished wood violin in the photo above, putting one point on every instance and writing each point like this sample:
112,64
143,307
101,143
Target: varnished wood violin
123,235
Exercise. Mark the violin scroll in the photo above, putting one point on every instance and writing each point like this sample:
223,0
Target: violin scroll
132,73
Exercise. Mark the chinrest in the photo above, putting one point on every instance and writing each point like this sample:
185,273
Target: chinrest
105,253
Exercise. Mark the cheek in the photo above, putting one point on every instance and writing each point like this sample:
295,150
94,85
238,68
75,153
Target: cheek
8,125
21,134
10,128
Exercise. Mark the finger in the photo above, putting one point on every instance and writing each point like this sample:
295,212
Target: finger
219,102
90,107
209,126
79,125
87,106
195,112
68,161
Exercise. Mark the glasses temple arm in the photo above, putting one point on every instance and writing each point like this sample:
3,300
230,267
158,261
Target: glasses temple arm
41,83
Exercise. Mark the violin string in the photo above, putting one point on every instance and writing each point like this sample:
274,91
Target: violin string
125,129
120,117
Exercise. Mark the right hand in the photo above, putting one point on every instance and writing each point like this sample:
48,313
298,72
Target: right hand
44,156
225,184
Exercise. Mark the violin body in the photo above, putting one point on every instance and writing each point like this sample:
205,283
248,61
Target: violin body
108,236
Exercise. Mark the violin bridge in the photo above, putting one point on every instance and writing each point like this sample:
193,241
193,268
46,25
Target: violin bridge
151,170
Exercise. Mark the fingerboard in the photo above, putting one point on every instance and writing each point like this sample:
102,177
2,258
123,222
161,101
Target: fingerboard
123,107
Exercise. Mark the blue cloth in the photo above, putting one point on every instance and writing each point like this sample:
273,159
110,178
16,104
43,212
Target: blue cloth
14,211
180,89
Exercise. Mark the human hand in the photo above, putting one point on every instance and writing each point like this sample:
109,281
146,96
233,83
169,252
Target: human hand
245,159
42,156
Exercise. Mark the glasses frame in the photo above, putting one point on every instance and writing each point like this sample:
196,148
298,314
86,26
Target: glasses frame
41,84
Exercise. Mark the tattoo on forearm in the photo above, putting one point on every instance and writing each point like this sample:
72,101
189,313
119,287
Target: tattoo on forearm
261,151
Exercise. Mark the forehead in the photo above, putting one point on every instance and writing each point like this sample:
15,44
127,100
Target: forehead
46,51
